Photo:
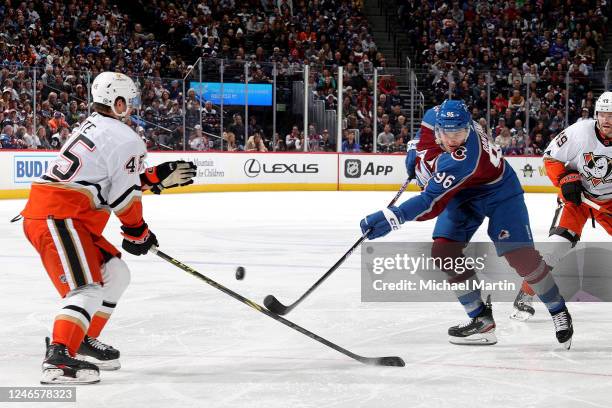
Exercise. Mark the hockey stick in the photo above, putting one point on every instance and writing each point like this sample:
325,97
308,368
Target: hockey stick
377,361
590,203
277,307
594,205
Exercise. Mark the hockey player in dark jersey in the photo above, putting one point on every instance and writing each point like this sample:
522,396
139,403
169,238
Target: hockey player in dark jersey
465,179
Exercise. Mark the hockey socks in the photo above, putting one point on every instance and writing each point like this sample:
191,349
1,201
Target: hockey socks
529,264
74,319
471,300
100,319
527,289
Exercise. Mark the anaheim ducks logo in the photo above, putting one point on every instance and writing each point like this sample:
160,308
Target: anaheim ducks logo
598,169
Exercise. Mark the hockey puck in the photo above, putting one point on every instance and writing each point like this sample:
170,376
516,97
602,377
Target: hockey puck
240,273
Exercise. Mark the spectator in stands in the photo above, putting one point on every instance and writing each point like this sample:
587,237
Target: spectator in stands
59,138
57,122
404,134
504,139
518,129
314,139
517,101
500,103
385,138
30,138
292,138
255,143
230,142
326,144
350,145
237,128
198,141
514,149
398,146
584,115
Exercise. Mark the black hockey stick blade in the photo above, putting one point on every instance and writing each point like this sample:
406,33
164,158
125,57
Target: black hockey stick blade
273,305
387,361
377,361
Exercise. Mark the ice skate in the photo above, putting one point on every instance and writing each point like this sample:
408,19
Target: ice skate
564,329
60,368
523,307
104,356
478,331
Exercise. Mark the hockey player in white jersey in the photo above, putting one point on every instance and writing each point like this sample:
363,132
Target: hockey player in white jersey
579,161
99,170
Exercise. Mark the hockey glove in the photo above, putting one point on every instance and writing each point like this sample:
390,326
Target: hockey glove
138,240
411,159
571,187
169,175
382,222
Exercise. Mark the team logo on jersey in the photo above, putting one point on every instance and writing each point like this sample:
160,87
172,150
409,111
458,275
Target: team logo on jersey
459,154
503,234
597,169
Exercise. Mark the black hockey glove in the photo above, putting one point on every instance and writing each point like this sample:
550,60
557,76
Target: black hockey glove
169,175
571,187
138,240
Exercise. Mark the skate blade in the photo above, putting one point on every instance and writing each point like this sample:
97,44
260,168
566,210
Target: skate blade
56,376
520,315
567,345
480,339
104,365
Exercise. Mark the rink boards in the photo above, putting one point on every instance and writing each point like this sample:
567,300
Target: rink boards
218,171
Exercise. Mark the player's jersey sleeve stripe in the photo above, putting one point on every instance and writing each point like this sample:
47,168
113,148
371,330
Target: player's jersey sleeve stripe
116,204
98,189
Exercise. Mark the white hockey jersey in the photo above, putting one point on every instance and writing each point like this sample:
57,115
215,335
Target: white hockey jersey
97,171
582,148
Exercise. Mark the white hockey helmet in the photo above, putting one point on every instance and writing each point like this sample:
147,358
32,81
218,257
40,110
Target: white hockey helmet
604,102
108,86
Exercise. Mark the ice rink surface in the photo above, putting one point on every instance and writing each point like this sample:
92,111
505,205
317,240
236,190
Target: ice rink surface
185,344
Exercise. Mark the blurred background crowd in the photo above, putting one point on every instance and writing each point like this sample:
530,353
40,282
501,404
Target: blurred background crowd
526,68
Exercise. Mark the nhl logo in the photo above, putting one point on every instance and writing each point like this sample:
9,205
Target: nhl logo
352,168
62,279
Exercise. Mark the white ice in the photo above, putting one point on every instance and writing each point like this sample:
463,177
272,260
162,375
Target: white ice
185,344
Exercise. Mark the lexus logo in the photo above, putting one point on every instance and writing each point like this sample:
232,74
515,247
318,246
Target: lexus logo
252,168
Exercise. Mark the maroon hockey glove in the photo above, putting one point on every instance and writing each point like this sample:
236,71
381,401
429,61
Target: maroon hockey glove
571,187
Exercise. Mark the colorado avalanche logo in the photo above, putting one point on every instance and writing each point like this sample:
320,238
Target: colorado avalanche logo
597,169
459,154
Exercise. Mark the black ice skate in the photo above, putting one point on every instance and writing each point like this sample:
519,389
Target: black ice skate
523,307
60,368
104,356
563,327
478,331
